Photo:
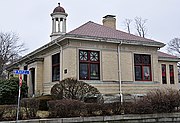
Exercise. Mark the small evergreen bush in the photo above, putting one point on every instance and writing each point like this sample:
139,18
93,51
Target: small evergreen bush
9,91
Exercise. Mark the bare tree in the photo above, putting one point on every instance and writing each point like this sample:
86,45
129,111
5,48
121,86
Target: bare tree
127,23
9,49
140,25
174,46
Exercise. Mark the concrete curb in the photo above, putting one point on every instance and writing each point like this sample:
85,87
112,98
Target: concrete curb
128,118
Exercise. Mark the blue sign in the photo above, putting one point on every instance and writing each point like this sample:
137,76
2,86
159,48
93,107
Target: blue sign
22,72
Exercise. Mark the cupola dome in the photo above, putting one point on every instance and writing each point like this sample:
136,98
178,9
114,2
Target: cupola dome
59,9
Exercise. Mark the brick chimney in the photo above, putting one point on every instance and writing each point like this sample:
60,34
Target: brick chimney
109,21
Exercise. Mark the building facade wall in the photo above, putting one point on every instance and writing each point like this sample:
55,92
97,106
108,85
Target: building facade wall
127,61
108,58
69,60
47,68
127,66
39,79
69,63
109,64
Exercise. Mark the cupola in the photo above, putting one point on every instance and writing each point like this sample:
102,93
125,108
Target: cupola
58,22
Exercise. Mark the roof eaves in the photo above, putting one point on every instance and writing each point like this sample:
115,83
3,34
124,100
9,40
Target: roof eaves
46,45
169,59
114,40
144,43
92,38
39,50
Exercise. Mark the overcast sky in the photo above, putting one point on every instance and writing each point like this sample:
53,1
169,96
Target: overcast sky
31,19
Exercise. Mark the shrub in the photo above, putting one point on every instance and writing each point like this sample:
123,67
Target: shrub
72,108
43,102
94,109
158,101
2,109
31,106
116,107
8,112
143,106
72,89
129,107
107,109
66,108
9,91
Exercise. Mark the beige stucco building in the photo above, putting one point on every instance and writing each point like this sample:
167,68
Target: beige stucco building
109,59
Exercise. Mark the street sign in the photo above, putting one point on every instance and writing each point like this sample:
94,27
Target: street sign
22,72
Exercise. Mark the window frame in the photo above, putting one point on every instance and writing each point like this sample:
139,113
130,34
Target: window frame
163,72
171,74
142,66
55,66
89,62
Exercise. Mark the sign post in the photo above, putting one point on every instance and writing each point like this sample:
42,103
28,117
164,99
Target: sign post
20,72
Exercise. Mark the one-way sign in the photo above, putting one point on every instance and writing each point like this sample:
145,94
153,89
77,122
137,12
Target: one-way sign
22,72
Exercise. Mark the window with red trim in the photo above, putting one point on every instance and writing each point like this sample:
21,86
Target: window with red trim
89,65
56,67
171,72
142,67
163,67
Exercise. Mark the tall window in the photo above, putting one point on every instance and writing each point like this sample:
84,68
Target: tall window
56,67
142,67
171,72
164,81
89,65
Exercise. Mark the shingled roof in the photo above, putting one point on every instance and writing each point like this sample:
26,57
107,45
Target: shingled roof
96,30
165,55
